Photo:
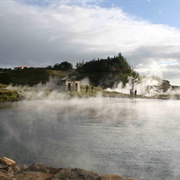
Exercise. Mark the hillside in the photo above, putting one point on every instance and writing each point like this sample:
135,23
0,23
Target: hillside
102,72
29,76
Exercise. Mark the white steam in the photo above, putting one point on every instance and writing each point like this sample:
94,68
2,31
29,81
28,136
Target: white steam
85,81
50,91
147,86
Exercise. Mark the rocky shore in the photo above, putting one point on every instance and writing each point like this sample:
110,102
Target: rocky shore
10,170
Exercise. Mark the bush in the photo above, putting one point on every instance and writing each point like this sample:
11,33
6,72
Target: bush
5,78
64,66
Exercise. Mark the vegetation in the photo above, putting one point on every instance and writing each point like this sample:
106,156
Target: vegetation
96,91
3,86
64,66
7,95
106,72
102,73
30,76
5,78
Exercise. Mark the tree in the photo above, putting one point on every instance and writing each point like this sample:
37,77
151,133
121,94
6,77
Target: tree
49,67
64,66
5,78
106,72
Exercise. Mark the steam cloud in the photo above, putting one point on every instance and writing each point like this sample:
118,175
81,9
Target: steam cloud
148,86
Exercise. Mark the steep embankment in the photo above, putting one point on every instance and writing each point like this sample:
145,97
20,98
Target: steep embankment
9,169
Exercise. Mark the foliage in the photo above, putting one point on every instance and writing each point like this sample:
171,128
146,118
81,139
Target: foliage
8,95
5,78
49,67
106,72
32,76
3,86
64,66
101,72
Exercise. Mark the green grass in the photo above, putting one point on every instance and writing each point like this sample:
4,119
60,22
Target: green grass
3,86
33,76
8,95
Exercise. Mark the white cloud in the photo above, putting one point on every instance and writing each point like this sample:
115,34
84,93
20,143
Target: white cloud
35,35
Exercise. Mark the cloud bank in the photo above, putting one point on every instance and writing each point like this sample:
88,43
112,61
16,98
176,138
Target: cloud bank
43,34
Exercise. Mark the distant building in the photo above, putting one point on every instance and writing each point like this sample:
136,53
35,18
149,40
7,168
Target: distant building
20,67
67,85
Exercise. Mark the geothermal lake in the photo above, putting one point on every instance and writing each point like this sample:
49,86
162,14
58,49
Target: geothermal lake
137,138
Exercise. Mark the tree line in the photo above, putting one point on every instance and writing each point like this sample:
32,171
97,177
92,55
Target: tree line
106,72
101,72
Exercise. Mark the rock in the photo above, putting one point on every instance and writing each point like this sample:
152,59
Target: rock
2,166
42,168
4,175
111,177
7,161
32,175
75,174
15,168
10,170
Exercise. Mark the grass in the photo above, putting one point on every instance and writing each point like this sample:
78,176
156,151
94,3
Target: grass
33,76
96,91
8,95
3,86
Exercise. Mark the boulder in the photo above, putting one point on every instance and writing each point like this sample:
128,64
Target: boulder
15,168
111,177
29,175
7,161
9,169
42,168
4,175
75,174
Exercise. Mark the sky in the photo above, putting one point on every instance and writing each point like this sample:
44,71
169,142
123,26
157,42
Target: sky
38,33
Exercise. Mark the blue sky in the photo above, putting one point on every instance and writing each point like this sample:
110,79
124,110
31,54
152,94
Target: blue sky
158,12
42,33
155,11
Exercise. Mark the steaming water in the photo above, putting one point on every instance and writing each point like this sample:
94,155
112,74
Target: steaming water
132,137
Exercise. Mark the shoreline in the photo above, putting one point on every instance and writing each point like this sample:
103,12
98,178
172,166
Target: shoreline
10,170
17,94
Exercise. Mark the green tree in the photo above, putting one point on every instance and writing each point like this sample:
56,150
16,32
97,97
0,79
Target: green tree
64,66
49,67
106,72
5,78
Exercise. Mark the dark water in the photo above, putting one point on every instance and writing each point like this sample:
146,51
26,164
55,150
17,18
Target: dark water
135,138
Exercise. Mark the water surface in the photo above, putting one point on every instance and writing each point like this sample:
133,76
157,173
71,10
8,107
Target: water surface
132,137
